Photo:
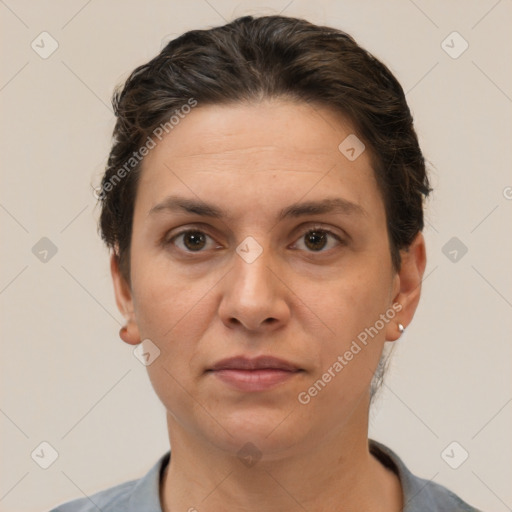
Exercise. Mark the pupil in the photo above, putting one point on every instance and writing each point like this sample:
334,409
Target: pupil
314,238
196,240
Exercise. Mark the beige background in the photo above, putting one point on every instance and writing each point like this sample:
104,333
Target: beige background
68,380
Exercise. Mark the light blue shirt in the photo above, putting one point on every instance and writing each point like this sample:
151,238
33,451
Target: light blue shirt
142,495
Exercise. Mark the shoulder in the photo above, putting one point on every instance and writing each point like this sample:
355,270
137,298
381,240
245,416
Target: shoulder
109,500
433,496
419,495
133,496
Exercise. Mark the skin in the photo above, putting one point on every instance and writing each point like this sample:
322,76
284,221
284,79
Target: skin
302,303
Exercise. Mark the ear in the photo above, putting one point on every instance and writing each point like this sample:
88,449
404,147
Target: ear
407,286
130,333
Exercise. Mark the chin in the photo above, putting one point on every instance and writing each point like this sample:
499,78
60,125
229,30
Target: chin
270,432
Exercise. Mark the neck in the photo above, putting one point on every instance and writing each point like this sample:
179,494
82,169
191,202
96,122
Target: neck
337,474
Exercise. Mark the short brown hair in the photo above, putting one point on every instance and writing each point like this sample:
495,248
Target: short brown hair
252,58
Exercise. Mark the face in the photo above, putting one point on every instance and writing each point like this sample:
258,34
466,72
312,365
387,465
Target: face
253,234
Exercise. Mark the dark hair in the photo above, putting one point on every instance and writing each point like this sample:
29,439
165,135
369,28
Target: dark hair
254,58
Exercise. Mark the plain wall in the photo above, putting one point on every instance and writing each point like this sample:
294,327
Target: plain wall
66,377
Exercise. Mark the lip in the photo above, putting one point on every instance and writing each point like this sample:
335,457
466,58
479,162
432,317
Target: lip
257,374
257,363
254,380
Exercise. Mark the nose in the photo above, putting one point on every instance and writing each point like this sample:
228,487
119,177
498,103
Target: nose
254,297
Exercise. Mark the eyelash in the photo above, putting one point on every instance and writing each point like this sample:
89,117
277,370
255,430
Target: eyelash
321,229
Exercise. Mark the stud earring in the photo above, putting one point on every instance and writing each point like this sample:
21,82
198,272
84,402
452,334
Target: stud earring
401,328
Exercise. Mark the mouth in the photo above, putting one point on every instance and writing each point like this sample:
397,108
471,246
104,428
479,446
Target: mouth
258,363
257,374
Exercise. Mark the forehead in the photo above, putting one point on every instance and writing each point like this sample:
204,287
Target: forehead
276,149
272,124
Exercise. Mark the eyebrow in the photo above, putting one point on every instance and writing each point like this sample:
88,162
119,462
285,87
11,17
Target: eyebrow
328,205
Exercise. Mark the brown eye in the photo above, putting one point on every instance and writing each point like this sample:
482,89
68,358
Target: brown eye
191,240
194,240
317,240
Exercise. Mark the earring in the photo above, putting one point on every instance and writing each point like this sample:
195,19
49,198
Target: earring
401,328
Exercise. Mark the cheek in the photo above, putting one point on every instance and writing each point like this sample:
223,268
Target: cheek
355,300
161,296
355,311
175,319
173,311
349,357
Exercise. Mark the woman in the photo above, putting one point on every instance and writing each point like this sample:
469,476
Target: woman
263,201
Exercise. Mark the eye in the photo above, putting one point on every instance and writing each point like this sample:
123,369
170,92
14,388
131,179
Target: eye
191,240
317,240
